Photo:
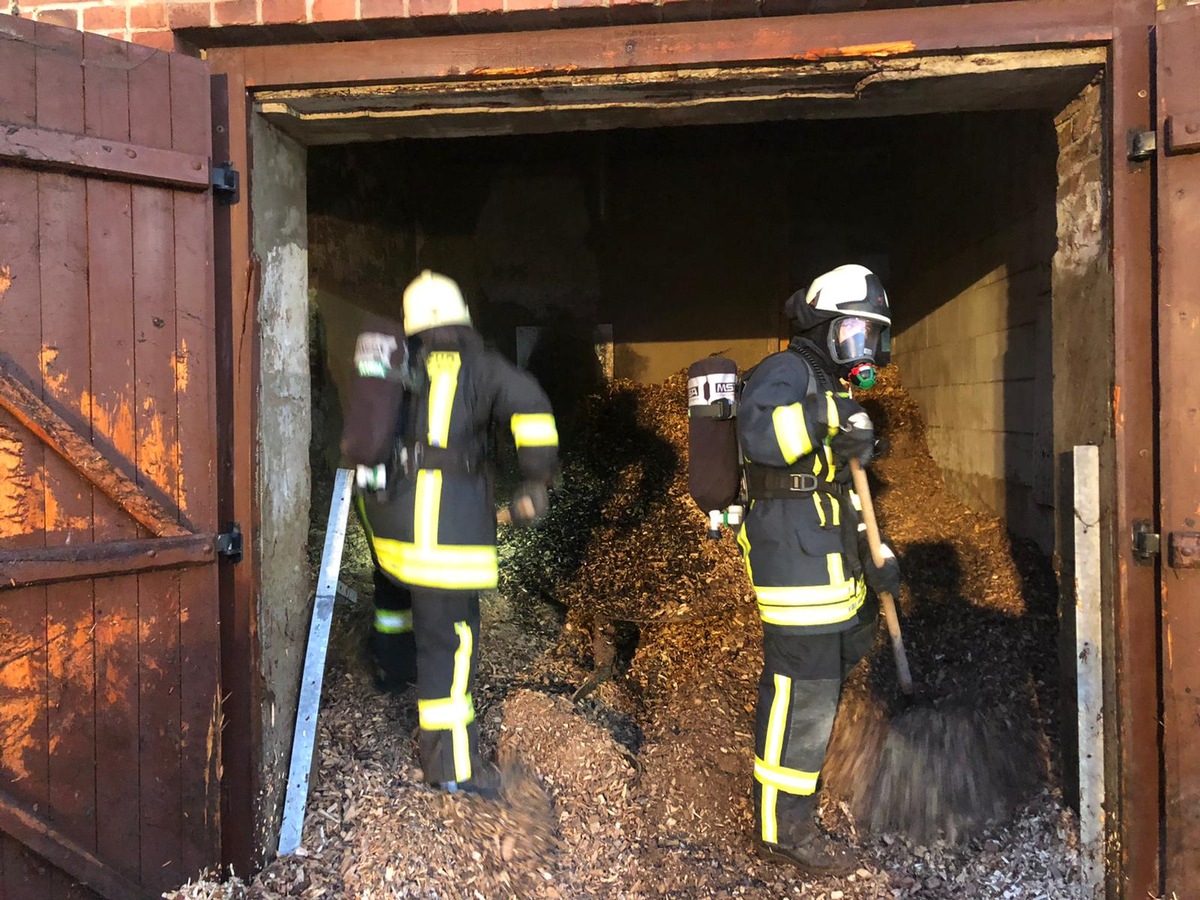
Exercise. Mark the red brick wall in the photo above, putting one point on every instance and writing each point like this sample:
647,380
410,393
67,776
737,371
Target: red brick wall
152,22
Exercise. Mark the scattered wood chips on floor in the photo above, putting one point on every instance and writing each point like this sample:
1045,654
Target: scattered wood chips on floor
641,788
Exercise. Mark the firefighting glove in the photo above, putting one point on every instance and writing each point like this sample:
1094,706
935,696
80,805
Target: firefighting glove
855,438
530,501
886,578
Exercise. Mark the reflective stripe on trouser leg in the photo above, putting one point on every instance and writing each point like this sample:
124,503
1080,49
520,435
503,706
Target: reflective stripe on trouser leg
794,722
446,625
393,621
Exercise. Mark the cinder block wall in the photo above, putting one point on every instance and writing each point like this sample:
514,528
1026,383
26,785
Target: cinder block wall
974,304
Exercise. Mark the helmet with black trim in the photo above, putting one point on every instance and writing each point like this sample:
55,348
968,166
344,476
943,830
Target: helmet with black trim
846,312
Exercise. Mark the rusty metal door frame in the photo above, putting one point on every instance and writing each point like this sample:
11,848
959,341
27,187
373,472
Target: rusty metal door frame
1124,27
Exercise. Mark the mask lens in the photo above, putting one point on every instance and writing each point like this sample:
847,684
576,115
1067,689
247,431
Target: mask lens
855,339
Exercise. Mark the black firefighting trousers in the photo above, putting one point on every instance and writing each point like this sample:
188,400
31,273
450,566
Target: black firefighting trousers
446,624
432,636
798,695
393,644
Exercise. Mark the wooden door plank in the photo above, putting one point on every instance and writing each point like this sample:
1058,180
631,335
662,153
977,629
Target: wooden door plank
23,739
61,436
66,563
195,390
156,422
22,507
18,94
42,838
1179,324
110,288
65,375
78,154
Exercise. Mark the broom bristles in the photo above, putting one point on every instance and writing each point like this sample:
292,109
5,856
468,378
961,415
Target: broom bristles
927,773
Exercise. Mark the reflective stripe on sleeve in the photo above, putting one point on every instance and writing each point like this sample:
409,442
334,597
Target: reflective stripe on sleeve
534,430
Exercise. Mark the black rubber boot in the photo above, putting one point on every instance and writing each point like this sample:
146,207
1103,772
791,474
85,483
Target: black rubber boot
810,850
484,782
393,660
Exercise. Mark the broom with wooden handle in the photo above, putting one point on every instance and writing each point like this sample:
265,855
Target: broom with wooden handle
885,599
926,770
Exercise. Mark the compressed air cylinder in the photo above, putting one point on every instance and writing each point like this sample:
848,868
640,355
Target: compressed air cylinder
713,470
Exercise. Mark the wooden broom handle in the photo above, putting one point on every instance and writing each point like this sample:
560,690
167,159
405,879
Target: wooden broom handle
863,489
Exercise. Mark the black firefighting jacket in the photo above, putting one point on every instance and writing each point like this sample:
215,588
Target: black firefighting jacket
800,535
436,525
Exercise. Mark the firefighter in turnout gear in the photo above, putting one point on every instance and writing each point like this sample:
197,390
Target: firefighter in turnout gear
806,557
431,516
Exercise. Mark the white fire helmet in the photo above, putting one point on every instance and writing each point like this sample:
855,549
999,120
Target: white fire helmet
432,300
852,300
850,290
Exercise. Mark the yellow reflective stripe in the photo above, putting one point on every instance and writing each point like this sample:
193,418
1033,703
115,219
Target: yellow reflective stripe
836,505
446,714
777,721
829,460
393,621
462,659
801,614
458,688
451,566
427,507
837,568
534,430
817,467
427,563
743,541
362,509
790,781
820,507
839,588
831,410
773,750
791,432
443,369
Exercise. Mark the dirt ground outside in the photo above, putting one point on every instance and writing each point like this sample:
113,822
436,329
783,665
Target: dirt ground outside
639,787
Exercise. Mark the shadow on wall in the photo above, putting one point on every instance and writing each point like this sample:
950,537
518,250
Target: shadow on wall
565,364
973,308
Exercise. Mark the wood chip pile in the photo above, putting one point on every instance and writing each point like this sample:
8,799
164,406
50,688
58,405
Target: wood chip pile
623,538
642,789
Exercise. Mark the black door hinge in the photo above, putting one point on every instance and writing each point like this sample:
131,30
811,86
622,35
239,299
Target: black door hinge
226,183
1146,542
229,543
1141,146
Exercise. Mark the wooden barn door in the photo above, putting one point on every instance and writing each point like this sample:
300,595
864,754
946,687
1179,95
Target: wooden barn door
109,653
1178,39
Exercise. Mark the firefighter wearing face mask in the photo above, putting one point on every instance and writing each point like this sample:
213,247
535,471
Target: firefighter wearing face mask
427,501
797,428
